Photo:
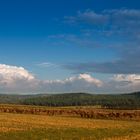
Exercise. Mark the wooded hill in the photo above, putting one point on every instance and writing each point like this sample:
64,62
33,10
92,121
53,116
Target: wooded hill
120,101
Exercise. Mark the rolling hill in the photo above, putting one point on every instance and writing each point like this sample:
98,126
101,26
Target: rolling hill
124,101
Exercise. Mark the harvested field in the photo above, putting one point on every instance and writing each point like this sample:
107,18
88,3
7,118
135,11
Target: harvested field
83,112
39,127
34,122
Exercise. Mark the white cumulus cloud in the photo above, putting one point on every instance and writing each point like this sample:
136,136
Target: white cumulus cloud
11,73
18,79
132,78
15,79
125,82
78,83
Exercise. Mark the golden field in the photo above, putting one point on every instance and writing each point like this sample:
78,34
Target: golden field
20,126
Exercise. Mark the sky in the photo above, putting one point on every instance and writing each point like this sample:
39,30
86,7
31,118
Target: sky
55,46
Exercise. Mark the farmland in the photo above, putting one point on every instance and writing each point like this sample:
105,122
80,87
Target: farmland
66,123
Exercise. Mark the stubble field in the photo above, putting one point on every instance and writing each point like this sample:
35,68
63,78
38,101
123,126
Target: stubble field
43,126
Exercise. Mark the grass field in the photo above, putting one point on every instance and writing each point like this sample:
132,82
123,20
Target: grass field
15,126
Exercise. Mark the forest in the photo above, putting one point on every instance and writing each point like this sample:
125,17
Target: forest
114,101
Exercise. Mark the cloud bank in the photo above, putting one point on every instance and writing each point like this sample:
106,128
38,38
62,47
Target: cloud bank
15,79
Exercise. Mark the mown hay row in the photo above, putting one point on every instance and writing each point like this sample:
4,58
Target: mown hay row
81,112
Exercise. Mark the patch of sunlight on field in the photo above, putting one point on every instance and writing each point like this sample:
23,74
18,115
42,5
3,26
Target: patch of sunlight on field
41,127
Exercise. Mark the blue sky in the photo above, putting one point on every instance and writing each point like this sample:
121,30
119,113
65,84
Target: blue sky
59,39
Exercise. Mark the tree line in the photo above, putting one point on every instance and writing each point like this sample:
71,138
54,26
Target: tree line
120,101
